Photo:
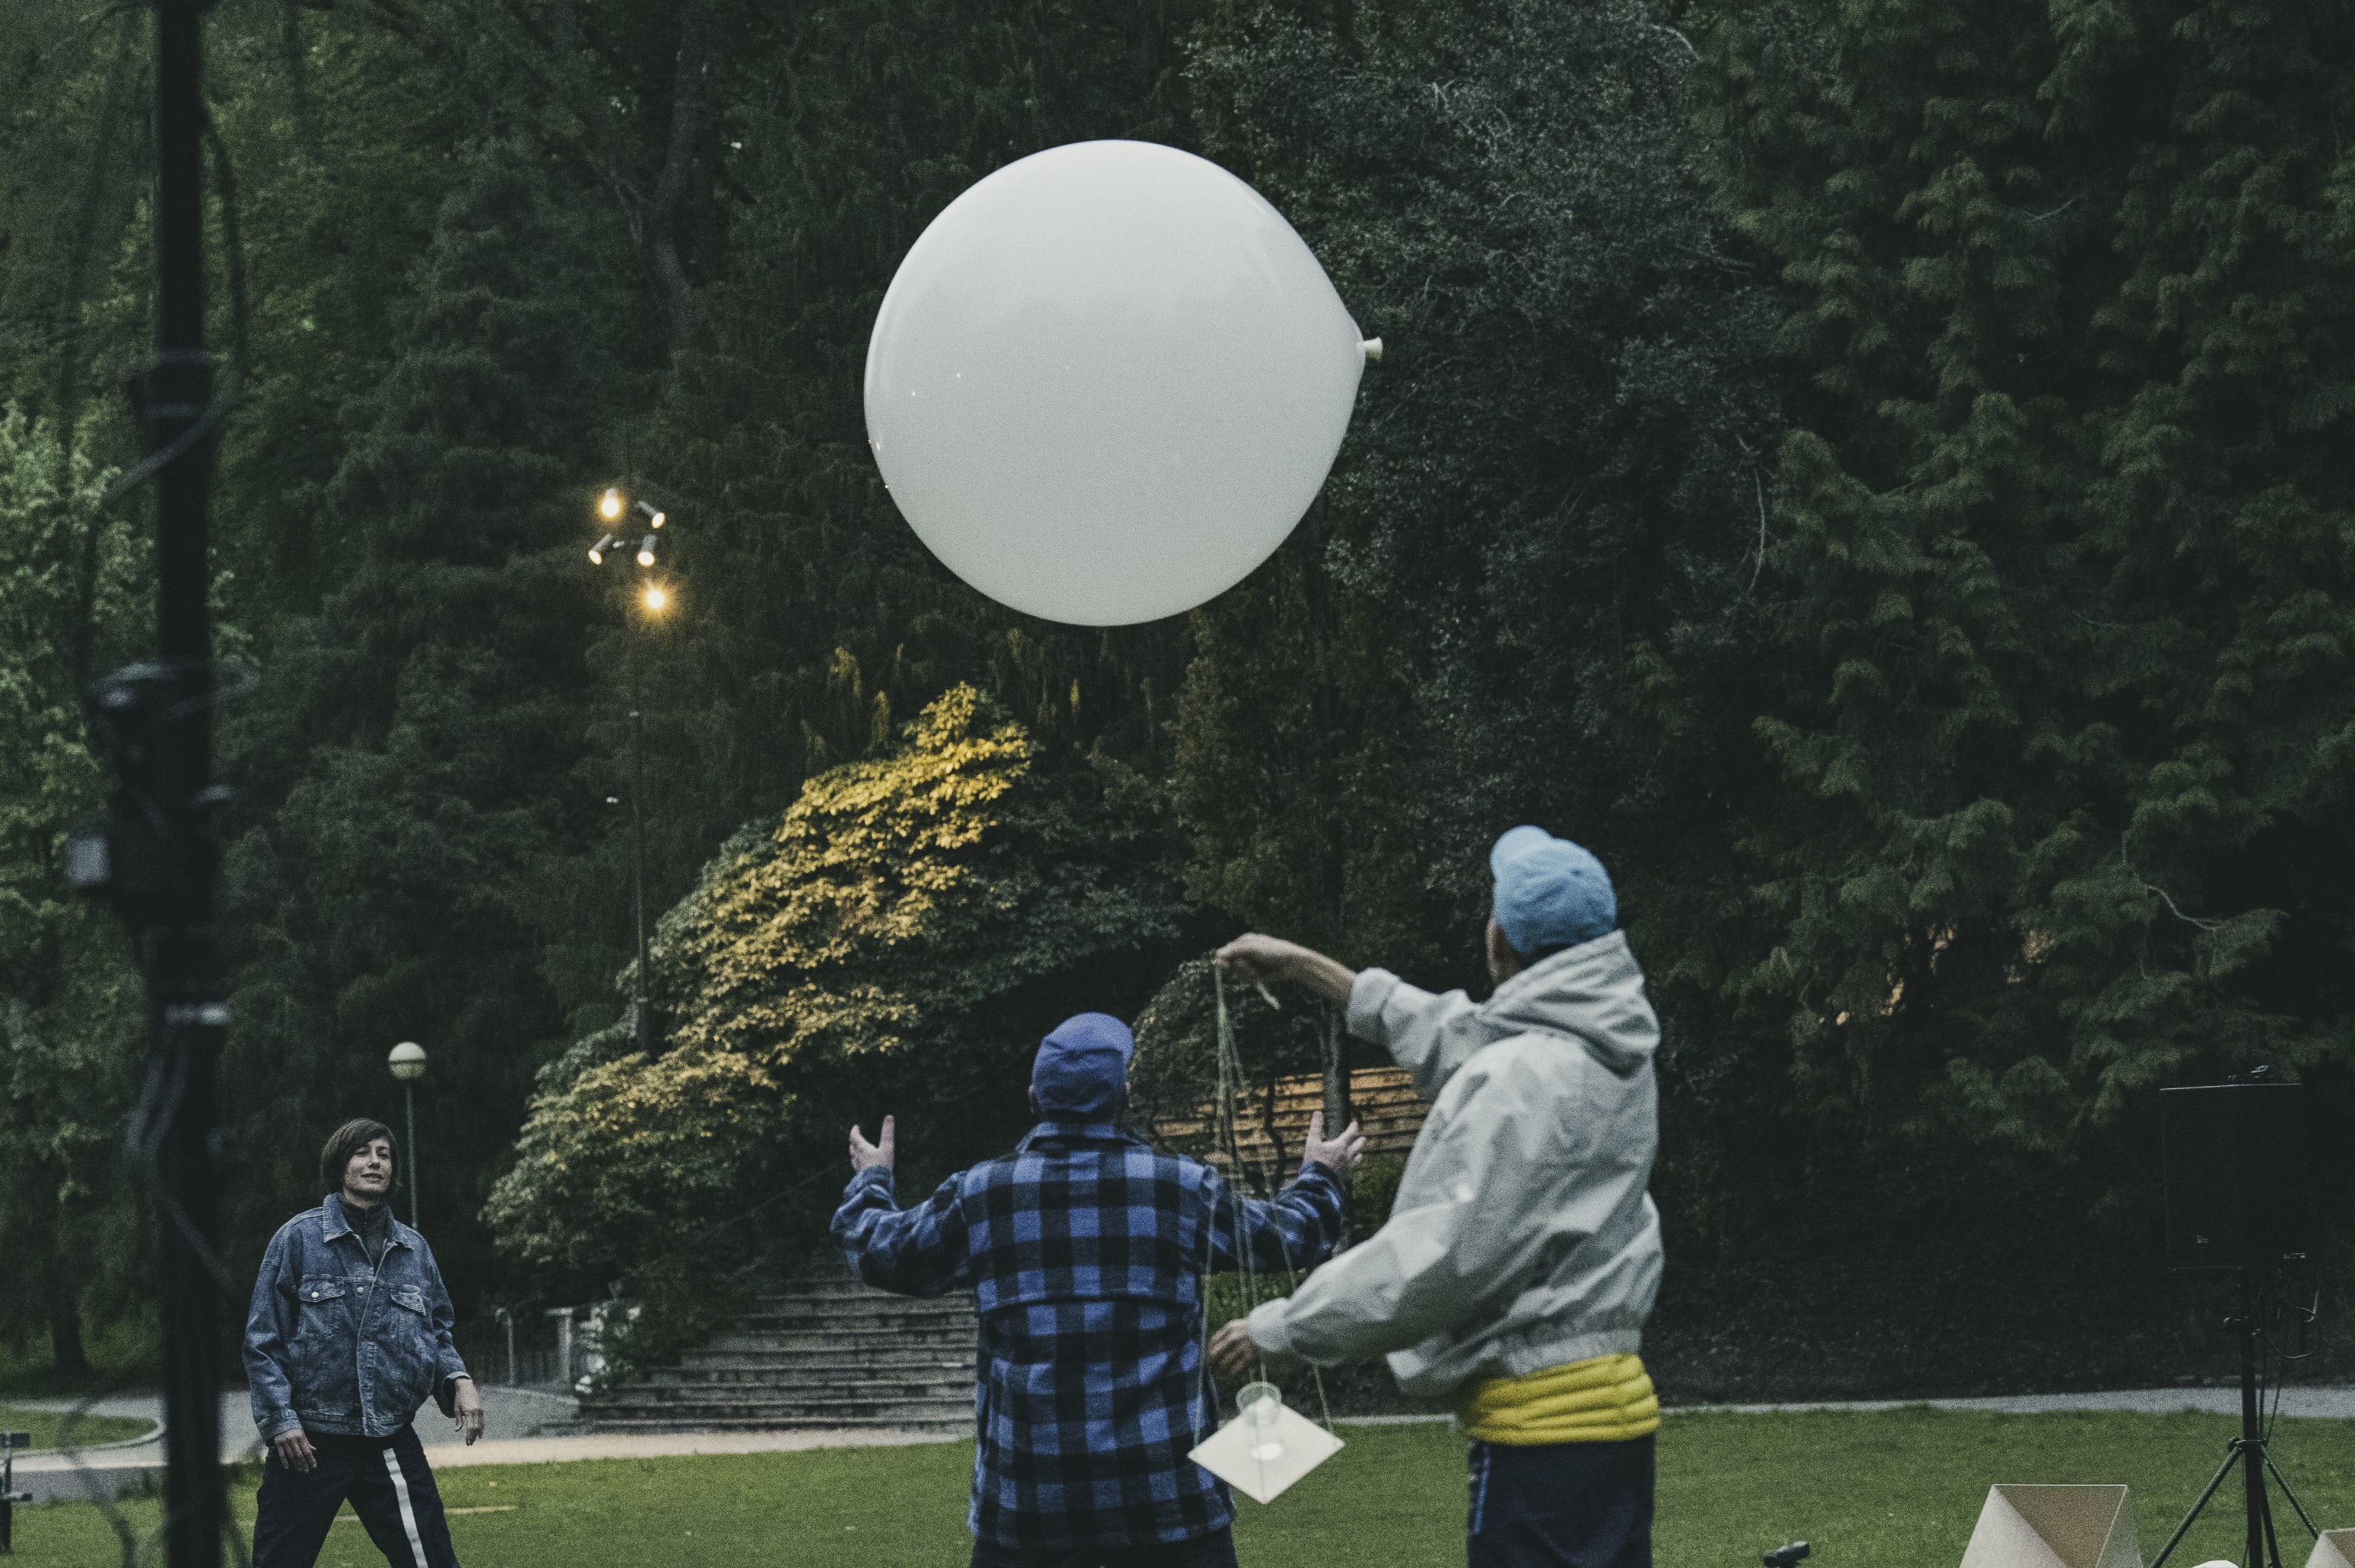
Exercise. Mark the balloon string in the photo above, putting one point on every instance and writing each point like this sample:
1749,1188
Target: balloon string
1231,1073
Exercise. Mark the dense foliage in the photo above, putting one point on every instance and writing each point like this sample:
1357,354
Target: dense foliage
897,941
1875,473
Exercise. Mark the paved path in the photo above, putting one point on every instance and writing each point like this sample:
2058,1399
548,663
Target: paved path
510,1416
524,1426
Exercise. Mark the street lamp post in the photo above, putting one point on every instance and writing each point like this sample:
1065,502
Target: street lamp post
653,600
408,1063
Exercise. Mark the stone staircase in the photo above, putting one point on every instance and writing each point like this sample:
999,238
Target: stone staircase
826,1353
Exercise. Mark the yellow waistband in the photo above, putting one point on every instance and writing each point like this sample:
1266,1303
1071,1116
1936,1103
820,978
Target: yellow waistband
1604,1399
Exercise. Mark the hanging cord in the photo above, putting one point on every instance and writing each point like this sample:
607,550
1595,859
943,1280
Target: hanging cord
1231,1142
1231,1077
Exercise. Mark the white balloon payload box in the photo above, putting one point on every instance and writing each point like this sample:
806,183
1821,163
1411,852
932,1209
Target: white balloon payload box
1266,1446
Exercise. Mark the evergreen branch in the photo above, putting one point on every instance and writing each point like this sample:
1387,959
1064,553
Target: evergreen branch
2202,923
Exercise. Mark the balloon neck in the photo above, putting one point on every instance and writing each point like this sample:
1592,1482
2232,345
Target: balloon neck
1371,348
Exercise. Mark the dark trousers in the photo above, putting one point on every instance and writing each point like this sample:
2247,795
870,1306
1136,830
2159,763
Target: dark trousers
1216,1549
389,1487
1561,1505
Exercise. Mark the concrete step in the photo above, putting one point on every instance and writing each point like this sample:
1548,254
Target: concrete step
861,1299
849,1340
741,1365
795,1413
854,1320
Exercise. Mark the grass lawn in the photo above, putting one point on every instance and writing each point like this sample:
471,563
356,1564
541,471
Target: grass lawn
1891,1489
46,1426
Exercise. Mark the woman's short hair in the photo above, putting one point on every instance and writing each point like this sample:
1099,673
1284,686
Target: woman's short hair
349,1140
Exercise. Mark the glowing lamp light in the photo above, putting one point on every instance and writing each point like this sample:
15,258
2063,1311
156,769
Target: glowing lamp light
597,551
646,551
656,599
659,519
611,507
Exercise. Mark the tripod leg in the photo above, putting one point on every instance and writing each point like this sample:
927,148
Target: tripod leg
2304,1517
2266,1516
2231,1453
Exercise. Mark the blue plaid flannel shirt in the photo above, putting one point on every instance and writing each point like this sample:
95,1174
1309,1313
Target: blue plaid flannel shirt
1085,1250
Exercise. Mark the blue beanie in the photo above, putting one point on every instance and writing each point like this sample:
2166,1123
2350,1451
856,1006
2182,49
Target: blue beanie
1083,1065
1551,893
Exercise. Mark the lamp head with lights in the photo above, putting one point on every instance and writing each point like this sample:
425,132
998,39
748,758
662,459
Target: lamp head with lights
407,1060
609,505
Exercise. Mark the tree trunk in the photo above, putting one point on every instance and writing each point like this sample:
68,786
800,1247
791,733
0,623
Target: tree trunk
1338,1108
66,1356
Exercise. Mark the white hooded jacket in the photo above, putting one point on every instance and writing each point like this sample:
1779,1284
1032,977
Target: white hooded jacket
1523,1235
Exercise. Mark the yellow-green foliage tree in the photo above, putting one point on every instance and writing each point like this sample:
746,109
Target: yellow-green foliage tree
898,941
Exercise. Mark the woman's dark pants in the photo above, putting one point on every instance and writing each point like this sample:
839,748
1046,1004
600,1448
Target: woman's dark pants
389,1487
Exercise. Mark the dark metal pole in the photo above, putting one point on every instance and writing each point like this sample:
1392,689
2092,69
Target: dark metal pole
186,991
408,1091
645,1020
2253,1445
630,634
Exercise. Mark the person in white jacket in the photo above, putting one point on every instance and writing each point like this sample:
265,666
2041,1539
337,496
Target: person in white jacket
1522,1255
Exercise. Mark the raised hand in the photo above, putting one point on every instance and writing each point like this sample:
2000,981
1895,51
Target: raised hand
1339,1155
863,1154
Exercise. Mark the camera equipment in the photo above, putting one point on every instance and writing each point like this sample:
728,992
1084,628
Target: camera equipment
2233,1154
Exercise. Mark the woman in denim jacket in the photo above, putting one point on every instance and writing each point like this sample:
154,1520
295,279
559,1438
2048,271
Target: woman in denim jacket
347,1336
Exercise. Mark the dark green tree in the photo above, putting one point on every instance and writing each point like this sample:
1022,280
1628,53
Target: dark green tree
426,865
73,590
2063,588
1533,588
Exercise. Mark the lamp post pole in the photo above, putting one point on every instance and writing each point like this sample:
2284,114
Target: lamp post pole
645,1013
613,508
408,1063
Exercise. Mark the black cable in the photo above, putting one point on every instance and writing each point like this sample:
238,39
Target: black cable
138,473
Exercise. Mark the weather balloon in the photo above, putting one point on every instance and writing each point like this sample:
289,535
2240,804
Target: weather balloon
1107,381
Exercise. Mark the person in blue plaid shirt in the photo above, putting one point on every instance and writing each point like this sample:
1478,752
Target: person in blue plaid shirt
1085,1250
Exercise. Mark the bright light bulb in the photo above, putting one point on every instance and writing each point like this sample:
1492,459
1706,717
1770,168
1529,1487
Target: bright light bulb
658,519
656,599
645,557
596,558
611,507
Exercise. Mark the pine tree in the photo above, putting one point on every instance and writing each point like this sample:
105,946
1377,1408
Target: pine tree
428,867
2066,601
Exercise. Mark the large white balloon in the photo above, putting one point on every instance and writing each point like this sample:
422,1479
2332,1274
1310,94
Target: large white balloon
1107,381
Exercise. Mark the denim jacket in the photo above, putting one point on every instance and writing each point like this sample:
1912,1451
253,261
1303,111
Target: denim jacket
334,1344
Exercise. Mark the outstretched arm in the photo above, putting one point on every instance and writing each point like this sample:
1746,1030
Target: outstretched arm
1428,1269
1298,1227
914,1252
1258,957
